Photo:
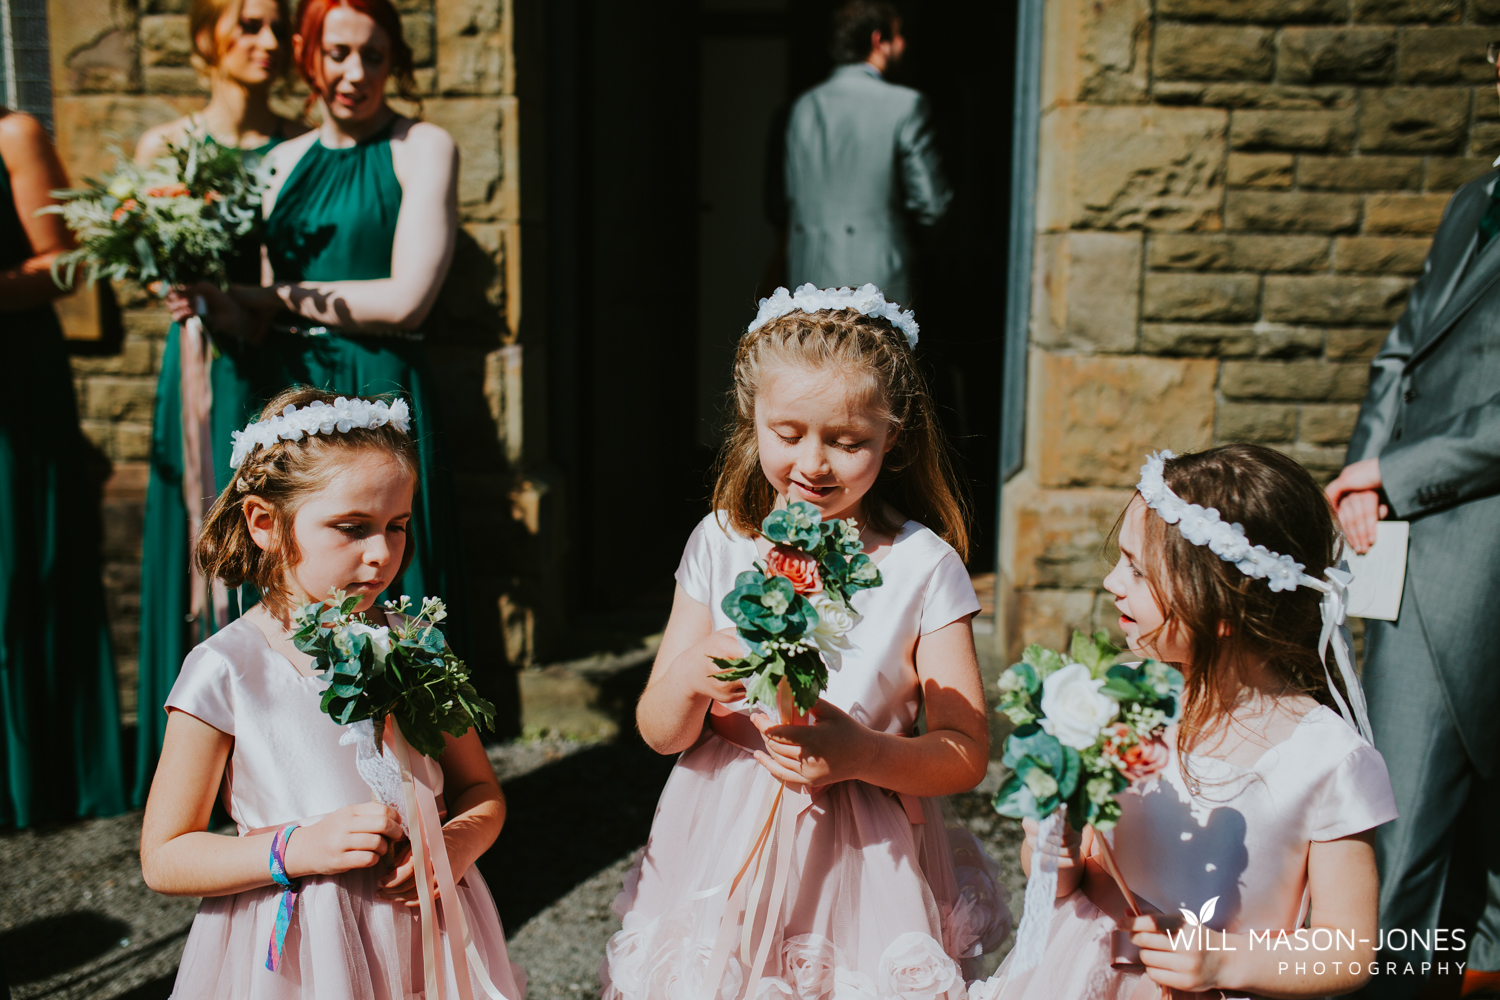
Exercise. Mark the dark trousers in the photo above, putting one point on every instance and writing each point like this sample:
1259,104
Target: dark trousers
1440,859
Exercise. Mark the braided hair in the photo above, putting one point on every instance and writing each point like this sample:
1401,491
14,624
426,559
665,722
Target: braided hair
916,478
284,476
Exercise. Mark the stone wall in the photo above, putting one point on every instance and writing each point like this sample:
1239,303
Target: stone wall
121,66
1233,198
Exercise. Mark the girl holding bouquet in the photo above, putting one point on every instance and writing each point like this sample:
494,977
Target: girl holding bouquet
879,897
59,714
299,518
1261,817
243,48
361,218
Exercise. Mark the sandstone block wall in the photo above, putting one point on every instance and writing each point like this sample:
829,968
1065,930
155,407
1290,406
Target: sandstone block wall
121,66
1233,199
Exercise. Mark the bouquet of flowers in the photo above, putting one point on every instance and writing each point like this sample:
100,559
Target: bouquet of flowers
173,221
1088,729
793,609
406,671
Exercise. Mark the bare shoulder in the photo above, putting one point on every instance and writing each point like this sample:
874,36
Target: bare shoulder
422,144
153,142
20,134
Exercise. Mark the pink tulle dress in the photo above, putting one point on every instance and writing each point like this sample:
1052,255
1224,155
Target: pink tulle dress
875,905
1239,837
344,942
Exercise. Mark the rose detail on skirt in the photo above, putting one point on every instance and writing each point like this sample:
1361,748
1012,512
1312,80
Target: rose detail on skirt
915,967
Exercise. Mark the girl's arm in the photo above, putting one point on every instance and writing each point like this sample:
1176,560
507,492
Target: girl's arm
179,857
670,712
35,172
1345,891
426,163
950,757
476,812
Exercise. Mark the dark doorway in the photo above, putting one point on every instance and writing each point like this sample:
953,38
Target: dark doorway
649,134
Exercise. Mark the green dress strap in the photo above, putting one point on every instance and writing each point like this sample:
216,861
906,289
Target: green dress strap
335,218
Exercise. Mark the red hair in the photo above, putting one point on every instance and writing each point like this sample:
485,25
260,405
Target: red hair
310,17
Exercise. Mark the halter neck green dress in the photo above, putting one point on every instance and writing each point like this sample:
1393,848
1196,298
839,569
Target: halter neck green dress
59,711
335,220
242,379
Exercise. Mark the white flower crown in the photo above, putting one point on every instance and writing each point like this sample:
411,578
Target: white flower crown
809,298
318,417
1203,526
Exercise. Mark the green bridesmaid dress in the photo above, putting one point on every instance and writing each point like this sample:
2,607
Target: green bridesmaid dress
335,220
59,710
242,378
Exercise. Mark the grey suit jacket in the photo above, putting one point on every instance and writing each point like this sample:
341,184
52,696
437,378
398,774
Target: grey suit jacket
859,161
1432,416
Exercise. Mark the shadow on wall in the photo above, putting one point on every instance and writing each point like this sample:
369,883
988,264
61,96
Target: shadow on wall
467,325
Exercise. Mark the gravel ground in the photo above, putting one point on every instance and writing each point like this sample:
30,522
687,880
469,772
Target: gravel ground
76,921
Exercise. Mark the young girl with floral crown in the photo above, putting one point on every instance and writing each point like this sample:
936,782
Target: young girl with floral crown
1251,857
324,507
878,897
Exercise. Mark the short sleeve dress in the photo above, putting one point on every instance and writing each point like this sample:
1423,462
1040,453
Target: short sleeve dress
288,765
1239,836
876,905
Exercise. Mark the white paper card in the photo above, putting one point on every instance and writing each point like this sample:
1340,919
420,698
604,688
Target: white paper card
1379,574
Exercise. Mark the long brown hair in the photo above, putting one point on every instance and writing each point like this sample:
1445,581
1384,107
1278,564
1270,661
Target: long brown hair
284,476
1225,616
916,477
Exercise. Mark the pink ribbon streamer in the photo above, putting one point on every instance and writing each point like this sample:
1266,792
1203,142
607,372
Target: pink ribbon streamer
430,853
196,391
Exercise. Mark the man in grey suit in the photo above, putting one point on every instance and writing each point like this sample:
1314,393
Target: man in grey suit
1426,449
860,163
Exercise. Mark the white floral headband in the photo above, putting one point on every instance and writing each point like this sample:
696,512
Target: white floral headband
1203,526
809,298
319,417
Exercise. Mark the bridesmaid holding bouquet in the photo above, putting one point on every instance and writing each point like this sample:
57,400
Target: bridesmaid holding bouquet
361,217
243,48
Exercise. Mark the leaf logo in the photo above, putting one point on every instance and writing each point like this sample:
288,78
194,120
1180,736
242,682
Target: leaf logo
1203,916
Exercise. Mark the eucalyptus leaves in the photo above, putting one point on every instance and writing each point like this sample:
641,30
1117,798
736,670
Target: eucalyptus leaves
794,608
174,220
1088,729
405,670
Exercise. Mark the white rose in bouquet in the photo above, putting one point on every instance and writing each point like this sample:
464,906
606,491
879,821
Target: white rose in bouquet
1074,709
380,638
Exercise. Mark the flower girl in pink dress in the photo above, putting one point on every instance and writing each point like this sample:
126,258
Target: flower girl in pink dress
326,509
880,898
1251,857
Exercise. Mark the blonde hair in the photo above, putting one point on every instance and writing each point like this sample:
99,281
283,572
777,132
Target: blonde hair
916,478
284,476
205,15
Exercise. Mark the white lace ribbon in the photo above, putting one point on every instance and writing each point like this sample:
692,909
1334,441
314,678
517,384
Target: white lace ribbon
1041,895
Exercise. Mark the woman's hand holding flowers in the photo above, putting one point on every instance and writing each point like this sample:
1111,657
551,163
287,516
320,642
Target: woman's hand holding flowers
1075,848
836,748
232,313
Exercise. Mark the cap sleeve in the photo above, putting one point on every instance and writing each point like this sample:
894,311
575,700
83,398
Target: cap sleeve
950,595
1357,796
205,689
695,571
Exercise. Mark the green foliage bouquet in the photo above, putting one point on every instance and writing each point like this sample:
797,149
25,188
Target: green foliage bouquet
174,220
404,670
1088,728
793,609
